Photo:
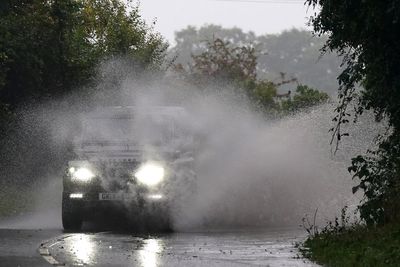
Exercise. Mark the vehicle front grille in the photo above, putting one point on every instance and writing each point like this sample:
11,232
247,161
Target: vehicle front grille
117,175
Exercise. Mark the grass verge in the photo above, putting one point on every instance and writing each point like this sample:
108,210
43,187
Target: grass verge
356,246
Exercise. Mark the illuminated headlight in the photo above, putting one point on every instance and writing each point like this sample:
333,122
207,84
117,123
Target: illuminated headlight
81,174
150,174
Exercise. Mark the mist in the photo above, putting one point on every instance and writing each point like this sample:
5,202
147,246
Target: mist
254,171
251,170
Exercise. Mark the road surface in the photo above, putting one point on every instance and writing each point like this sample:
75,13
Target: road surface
273,247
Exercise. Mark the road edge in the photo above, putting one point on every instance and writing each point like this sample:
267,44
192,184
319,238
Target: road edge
44,251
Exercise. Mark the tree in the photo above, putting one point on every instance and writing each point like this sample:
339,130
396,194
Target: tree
48,48
224,63
223,66
304,98
294,52
367,34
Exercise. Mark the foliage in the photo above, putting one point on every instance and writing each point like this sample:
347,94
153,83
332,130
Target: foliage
295,52
192,41
378,173
350,243
112,30
263,94
366,33
305,97
223,65
49,48
355,246
339,225
310,226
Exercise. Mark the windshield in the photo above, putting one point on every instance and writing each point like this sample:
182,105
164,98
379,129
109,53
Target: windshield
108,129
143,128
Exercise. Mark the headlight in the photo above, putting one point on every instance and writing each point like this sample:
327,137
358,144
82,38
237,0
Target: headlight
150,174
81,174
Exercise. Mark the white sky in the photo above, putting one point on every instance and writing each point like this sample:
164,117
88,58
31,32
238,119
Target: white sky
260,16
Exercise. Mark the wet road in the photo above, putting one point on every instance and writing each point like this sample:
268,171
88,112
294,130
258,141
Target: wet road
216,248
20,247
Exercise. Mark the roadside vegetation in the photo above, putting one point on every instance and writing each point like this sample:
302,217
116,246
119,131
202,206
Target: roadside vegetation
371,60
355,246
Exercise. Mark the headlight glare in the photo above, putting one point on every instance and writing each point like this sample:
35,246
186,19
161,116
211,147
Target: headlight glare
150,174
81,174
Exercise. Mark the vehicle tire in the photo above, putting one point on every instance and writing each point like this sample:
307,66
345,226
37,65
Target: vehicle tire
71,217
158,220
158,224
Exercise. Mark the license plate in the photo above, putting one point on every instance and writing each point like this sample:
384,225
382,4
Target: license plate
111,196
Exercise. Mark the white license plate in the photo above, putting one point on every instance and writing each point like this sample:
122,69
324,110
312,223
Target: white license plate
111,196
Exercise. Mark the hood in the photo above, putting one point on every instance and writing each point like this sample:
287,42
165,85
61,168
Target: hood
119,151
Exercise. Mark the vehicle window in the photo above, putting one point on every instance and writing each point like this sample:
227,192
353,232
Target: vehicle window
108,129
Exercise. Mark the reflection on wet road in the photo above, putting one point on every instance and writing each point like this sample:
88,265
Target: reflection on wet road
82,246
150,251
217,248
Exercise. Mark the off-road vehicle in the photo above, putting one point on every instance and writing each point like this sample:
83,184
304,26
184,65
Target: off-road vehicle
129,161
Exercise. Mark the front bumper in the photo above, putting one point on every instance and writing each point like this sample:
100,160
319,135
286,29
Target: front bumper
91,206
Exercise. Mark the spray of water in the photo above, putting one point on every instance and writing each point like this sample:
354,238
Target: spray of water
251,171
254,171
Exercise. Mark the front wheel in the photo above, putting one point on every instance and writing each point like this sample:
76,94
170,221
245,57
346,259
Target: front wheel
71,217
157,219
158,224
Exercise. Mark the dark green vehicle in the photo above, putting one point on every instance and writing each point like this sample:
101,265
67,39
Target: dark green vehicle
131,163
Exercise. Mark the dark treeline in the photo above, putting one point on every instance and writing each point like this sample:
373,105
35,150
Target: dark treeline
49,48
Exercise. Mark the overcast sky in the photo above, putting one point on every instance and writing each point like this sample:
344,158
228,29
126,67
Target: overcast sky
260,16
